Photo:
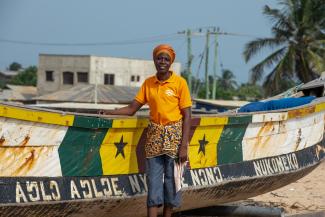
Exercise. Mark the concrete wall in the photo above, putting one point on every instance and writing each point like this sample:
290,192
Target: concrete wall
97,67
123,69
59,64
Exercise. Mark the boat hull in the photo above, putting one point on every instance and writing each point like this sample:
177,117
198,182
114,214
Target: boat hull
231,182
58,164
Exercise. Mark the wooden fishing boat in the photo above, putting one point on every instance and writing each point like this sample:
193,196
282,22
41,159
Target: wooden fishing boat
65,164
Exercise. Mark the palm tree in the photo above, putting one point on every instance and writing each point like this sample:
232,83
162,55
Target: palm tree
227,80
297,44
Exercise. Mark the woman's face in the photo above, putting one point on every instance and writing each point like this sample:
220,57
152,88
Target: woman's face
162,62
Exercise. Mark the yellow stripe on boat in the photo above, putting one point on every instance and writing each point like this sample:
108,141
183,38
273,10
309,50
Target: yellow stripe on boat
210,121
301,112
320,107
203,146
118,151
130,123
36,116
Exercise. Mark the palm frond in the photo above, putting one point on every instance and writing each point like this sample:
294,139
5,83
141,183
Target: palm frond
317,61
280,19
303,69
253,47
258,70
281,33
283,69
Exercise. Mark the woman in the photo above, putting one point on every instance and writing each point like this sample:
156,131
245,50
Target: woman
169,101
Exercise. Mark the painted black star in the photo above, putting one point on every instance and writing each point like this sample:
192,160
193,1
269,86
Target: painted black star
120,147
203,143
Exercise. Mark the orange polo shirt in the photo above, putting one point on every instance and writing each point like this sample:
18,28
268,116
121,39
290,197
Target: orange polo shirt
165,99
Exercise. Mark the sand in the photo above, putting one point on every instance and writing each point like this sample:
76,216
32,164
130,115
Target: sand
304,195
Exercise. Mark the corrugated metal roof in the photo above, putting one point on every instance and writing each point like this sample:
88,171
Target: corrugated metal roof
10,95
86,94
18,93
9,72
27,91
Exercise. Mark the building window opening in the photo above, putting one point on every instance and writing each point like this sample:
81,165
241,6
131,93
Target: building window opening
138,78
82,77
67,77
49,76
109,79
132,78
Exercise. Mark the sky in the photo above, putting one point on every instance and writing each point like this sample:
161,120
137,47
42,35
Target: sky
128,28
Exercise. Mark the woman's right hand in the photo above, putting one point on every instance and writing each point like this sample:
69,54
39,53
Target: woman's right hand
101,112
130,109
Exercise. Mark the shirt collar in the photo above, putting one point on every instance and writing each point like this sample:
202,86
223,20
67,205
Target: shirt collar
171,79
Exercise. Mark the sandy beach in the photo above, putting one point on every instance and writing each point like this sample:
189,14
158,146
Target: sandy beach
304,195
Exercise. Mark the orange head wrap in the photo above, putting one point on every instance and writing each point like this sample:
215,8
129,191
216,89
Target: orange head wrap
164,48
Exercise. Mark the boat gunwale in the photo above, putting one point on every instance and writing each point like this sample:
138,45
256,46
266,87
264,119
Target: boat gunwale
95,121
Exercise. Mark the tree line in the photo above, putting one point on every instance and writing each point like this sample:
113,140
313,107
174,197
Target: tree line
25,76
227,88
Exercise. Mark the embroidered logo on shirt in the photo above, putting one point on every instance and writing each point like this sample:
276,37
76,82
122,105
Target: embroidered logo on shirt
169,93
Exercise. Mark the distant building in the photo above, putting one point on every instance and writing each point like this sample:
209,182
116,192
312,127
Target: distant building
6,75
60,72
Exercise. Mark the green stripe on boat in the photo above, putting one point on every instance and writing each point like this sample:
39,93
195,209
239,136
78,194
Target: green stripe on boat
79,152
229,147
240,120
91,122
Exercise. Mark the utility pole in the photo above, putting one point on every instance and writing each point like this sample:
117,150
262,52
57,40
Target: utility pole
214,88
198,32
207,64
95,89
189,59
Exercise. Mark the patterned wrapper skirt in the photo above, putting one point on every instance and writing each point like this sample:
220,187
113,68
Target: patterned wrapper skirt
163,139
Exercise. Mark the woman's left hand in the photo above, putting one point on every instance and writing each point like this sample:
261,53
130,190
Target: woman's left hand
182,153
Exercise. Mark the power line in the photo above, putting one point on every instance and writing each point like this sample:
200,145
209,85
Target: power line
112,43
181,46
210,30
170,37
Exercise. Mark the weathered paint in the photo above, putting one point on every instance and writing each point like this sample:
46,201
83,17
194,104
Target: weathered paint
30,161
26,133
30,148
281,137
272,116
301,112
